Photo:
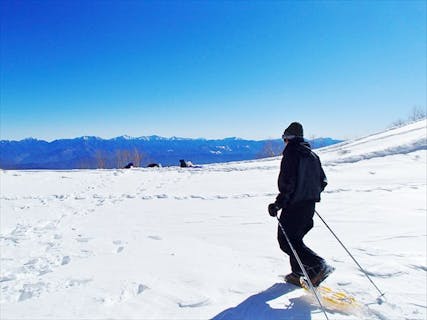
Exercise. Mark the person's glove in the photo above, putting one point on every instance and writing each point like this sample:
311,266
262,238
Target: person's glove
272,209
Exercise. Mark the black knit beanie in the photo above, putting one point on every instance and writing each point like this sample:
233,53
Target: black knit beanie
294,130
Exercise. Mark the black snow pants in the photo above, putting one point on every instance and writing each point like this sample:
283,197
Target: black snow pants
297,220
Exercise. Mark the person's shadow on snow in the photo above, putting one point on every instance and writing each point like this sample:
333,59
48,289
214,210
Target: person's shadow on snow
256,307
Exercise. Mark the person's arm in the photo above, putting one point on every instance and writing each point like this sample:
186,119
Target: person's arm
287,179
323,179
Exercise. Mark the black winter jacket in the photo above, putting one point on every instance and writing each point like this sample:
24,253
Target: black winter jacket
301,176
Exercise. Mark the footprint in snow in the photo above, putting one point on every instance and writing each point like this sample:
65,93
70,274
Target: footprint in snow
129,291
193,196
80,238
31,290
120,246
37,266
9,277
141,288
418,267
77,282
385,275
194,304
65,260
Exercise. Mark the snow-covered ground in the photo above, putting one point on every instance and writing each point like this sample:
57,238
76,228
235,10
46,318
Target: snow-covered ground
172,243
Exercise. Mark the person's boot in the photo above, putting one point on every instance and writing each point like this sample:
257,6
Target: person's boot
293,278
322,274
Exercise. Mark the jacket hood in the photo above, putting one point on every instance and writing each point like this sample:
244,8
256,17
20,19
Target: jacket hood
300,145
304,148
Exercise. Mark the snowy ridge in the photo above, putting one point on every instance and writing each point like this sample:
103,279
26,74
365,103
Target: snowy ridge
197,243
402,140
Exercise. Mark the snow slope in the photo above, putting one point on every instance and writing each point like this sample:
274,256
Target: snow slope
172,243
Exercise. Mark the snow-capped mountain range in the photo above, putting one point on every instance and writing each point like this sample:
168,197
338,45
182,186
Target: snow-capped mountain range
94,152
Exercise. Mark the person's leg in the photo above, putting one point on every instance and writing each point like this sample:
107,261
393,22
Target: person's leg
292,226
311,260
297,220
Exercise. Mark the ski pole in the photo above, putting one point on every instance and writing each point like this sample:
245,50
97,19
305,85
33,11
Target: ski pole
357,263
302,268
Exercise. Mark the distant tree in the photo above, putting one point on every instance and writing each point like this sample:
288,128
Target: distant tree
122,158
268,150
137,157
417,113
101,159
398,123
125,156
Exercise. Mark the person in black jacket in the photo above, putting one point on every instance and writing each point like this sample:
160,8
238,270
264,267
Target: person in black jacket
301,180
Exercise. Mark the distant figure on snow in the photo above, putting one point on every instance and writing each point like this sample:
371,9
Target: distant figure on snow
153,165
129,165
185,164
301,180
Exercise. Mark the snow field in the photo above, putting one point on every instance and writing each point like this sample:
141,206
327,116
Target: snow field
172,243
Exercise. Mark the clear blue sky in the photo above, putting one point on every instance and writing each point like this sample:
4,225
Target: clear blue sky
209,69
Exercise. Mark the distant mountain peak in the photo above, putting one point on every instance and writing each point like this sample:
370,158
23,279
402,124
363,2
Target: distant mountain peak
87,138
